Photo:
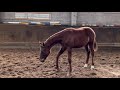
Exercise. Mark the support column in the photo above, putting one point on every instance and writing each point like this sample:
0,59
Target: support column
73,18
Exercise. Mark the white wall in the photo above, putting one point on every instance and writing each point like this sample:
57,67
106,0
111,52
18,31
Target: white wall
62,17
99,18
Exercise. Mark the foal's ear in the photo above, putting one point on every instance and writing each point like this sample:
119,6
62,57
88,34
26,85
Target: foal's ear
41,43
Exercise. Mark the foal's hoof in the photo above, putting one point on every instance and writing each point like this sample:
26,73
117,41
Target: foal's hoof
92,67
57,69
86,65
69,74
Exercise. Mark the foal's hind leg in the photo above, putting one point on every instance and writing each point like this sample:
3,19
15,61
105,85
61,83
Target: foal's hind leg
88,54
57,58
92,54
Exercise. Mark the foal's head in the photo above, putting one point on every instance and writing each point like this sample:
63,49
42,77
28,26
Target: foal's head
44,52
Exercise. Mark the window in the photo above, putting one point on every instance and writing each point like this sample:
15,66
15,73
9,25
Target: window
38,16
33,15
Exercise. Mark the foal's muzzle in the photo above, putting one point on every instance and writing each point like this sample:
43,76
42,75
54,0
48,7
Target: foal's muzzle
42,60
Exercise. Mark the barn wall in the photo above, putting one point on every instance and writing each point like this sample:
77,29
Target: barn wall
98,18
7,16
62,17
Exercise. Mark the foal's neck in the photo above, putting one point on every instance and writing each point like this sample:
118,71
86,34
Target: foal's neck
52,40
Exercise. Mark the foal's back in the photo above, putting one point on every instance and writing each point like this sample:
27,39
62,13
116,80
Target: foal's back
76,37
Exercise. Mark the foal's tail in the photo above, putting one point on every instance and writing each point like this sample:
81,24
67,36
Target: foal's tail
95,46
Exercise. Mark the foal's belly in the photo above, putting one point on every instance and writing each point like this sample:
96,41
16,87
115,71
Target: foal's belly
77,46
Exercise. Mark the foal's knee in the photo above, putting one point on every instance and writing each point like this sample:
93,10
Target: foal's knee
92,52
88,52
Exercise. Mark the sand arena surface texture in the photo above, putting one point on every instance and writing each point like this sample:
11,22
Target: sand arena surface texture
24,63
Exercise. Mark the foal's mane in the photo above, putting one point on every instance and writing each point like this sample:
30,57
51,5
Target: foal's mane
52,38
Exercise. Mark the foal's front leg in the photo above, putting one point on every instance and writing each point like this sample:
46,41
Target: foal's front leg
69,59
57,58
